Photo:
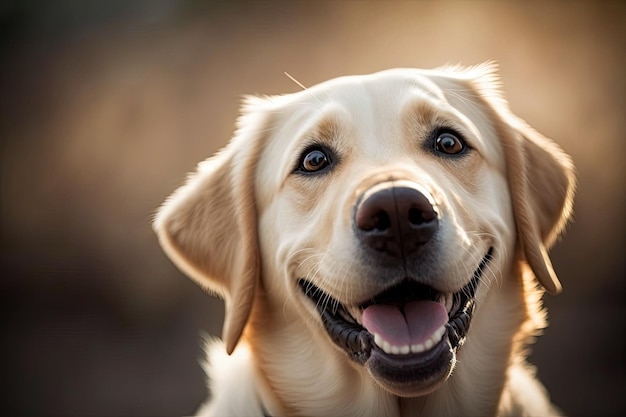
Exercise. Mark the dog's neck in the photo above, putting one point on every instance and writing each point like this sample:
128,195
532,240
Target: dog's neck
301,372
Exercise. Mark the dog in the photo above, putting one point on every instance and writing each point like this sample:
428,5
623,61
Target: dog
380,242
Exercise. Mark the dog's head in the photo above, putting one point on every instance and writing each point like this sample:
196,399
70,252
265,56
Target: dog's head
381,206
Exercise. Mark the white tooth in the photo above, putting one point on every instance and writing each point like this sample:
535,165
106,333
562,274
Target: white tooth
389,348
378,340
436,337
428,344
417,348
441,332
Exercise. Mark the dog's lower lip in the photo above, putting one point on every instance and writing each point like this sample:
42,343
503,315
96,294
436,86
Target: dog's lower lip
358,341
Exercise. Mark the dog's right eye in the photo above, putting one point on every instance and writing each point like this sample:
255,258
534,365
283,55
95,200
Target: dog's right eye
314,160
449,143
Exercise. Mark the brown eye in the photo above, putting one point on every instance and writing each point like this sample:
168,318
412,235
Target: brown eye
449,144
314,160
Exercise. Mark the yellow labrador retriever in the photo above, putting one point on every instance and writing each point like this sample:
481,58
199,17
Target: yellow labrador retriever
380,242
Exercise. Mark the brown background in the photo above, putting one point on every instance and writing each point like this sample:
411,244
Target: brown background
104,107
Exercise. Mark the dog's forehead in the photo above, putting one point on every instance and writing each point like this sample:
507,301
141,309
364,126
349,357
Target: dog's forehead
371,105
381,99
390,83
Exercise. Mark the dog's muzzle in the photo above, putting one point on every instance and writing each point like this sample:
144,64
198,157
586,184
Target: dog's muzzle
407,338
407,335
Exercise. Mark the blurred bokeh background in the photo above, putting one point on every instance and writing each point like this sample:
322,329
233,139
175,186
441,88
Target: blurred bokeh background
106,105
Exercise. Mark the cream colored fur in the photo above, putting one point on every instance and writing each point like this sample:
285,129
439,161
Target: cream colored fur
246,227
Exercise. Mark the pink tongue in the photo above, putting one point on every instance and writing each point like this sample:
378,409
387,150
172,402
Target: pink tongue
414,324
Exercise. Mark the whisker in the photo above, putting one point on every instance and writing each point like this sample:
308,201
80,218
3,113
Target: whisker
298,83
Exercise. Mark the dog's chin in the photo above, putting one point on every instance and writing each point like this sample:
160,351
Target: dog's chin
411,362
412,375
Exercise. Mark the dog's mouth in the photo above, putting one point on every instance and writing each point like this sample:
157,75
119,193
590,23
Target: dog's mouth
407,336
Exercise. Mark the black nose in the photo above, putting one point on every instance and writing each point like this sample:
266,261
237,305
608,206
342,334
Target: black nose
395,220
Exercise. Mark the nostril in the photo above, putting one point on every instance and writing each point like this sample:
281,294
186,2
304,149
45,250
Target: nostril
415,216
374,213
379,221
382,221
418,217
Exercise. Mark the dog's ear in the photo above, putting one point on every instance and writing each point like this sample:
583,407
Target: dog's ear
208,226
541,181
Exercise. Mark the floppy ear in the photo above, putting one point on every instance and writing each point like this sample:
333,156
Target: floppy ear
208,226
541,181
542,184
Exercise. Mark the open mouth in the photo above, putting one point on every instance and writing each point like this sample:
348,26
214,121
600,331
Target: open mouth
407,335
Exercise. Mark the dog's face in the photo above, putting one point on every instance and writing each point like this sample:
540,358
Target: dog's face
381,208
390,204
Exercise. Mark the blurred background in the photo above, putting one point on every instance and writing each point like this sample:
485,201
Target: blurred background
106,105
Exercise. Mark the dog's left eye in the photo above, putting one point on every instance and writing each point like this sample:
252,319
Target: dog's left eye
314,160
449,144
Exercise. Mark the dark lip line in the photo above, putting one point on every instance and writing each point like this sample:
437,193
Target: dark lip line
358,342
